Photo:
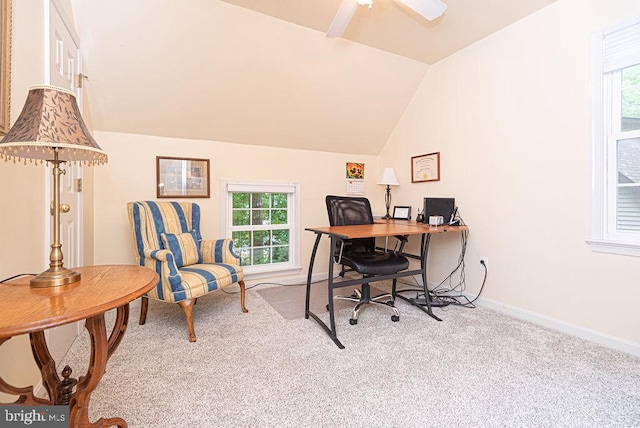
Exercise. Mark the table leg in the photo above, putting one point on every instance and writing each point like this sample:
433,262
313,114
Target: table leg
101,350
46,364
122,319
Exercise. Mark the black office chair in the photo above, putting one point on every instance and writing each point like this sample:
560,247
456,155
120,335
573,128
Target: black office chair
360,255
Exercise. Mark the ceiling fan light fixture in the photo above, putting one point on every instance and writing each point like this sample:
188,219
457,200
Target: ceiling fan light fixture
429,9
366,2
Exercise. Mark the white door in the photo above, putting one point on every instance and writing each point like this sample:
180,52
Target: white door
63,65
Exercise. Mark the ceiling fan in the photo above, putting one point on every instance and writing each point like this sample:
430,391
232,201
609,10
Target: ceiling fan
430,9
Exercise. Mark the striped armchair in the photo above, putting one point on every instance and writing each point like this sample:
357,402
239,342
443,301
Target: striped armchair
166,238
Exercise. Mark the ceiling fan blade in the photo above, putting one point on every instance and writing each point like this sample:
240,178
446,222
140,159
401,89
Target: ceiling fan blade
342,18
430,9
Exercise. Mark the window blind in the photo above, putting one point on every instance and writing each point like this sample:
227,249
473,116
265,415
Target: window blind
621,47
261,187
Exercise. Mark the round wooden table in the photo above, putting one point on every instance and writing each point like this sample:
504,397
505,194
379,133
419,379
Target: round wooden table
31,310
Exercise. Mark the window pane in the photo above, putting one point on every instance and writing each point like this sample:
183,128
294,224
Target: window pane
241,239
628,154
280,254
240,218
629,208
628,197
245,256
279,217
260,200
280,237
279,200
261,256
630,98
259,217
241,200
261,237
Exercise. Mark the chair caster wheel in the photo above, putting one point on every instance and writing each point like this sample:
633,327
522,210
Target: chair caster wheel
395,318
390,303
327,307
353,321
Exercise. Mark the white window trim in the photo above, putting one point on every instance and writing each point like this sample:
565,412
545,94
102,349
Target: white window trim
603,237
265,271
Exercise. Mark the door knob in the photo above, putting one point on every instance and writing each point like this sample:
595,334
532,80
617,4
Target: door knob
64,208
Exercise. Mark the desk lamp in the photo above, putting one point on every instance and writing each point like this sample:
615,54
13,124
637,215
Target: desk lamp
50,130
388,178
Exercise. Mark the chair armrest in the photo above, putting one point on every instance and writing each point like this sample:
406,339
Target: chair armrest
219,251
166,269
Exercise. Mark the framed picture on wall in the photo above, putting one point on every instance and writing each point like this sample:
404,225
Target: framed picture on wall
182,177
425,167
5,66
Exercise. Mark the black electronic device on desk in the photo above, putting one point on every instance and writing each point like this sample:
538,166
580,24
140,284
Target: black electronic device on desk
446,211
440,207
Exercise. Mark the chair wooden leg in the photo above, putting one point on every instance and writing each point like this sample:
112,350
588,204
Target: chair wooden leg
242,289
144,306
187,307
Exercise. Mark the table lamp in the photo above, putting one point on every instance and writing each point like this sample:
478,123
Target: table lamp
388,178
50,130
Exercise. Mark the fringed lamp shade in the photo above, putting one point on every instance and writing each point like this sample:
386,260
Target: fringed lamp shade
51,122
50,128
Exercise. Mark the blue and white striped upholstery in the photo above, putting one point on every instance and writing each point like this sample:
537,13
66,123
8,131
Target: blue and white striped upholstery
220,267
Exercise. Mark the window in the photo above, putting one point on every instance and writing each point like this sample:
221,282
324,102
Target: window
615,207
262,220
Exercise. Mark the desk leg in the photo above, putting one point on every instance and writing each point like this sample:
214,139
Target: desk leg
309,275
101,350
424,250
332,318
307,313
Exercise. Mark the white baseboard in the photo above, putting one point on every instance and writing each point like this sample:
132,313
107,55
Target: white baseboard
562,326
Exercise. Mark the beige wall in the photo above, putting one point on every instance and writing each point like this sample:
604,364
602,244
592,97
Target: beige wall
511,118
22,217
131,175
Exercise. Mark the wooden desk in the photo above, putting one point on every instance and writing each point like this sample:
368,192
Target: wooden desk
380,228
32,310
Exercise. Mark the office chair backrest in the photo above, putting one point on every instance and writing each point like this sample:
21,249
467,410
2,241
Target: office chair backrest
345,211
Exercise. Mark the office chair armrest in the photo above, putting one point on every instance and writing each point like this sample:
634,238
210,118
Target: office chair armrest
338,256
400,243
219,251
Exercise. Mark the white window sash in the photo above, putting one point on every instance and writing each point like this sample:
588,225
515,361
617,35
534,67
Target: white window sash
613,50
228,187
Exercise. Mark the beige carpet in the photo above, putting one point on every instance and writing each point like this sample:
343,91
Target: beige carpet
476,368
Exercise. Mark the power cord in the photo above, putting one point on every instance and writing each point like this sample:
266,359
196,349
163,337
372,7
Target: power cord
17,276
446,292
274,283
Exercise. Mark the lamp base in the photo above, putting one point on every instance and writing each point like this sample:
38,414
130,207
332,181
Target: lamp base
54,277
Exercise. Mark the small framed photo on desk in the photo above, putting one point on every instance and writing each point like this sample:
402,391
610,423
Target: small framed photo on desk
401,213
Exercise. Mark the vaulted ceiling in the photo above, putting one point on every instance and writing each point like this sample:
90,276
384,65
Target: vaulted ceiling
262,71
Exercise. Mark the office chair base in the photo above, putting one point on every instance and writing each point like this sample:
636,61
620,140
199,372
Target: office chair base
374,301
